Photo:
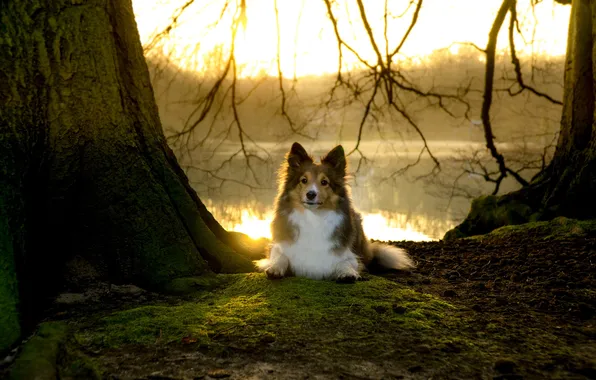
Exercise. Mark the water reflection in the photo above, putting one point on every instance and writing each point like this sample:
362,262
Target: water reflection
379,225
384,226
394,207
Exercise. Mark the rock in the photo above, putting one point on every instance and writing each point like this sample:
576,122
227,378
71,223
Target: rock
71,298
126,289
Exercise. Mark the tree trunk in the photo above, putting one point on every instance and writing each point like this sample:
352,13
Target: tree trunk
90,189
568,186
571,176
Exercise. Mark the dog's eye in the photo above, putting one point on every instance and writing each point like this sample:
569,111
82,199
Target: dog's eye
304,180
324,182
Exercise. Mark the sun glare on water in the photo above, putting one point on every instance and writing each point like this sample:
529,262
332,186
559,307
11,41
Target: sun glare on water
376,226
252,225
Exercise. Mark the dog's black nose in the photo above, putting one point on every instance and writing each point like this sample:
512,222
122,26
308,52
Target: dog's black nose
311,195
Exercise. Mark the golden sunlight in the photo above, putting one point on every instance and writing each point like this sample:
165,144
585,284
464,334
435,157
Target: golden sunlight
307,41
252,225
379,226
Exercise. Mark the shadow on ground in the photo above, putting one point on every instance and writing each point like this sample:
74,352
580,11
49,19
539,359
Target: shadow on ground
517,303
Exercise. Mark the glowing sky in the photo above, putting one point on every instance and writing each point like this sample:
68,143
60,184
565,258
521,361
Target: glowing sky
308,45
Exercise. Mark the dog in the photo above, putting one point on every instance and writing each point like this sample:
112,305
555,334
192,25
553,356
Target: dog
316,232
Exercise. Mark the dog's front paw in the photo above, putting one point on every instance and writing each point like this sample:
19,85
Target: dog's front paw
274,273
346,273
346,279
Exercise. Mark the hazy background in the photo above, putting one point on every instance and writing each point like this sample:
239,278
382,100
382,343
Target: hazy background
238,181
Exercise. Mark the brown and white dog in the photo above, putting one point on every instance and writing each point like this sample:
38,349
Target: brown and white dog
316,233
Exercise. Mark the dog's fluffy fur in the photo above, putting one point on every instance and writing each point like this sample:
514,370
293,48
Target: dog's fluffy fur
316,231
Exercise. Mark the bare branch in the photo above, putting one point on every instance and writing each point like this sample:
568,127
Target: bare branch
467,43
284,111
405,37
171,25
488,96
426,148
341,43
516,64
369,32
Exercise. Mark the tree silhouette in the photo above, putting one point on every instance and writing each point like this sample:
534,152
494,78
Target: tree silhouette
382,87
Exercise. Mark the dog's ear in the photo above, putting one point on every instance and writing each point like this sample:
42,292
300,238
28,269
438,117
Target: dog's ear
336,158
297,156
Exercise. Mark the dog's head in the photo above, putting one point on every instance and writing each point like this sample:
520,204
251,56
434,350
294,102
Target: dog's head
315,185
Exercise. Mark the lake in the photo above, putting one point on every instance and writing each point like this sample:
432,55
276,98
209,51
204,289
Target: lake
399,207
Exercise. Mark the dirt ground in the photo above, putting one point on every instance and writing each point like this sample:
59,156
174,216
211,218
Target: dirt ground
528,301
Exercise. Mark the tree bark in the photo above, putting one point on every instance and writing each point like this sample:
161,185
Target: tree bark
568,185
571,176
90,188
10,328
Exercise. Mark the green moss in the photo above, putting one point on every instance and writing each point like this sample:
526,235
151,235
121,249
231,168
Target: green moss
186,285
490,212
252,310
559,227
303,318
39,357
76,365
52,353
42,54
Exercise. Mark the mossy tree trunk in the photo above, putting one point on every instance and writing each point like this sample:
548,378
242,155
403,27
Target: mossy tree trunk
568,186
570,181
90,189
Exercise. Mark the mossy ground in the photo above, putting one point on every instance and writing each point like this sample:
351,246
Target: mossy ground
252,311
40,354
376,328
558,228
517,304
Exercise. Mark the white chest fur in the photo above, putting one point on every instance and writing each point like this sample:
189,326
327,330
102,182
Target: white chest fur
312,254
